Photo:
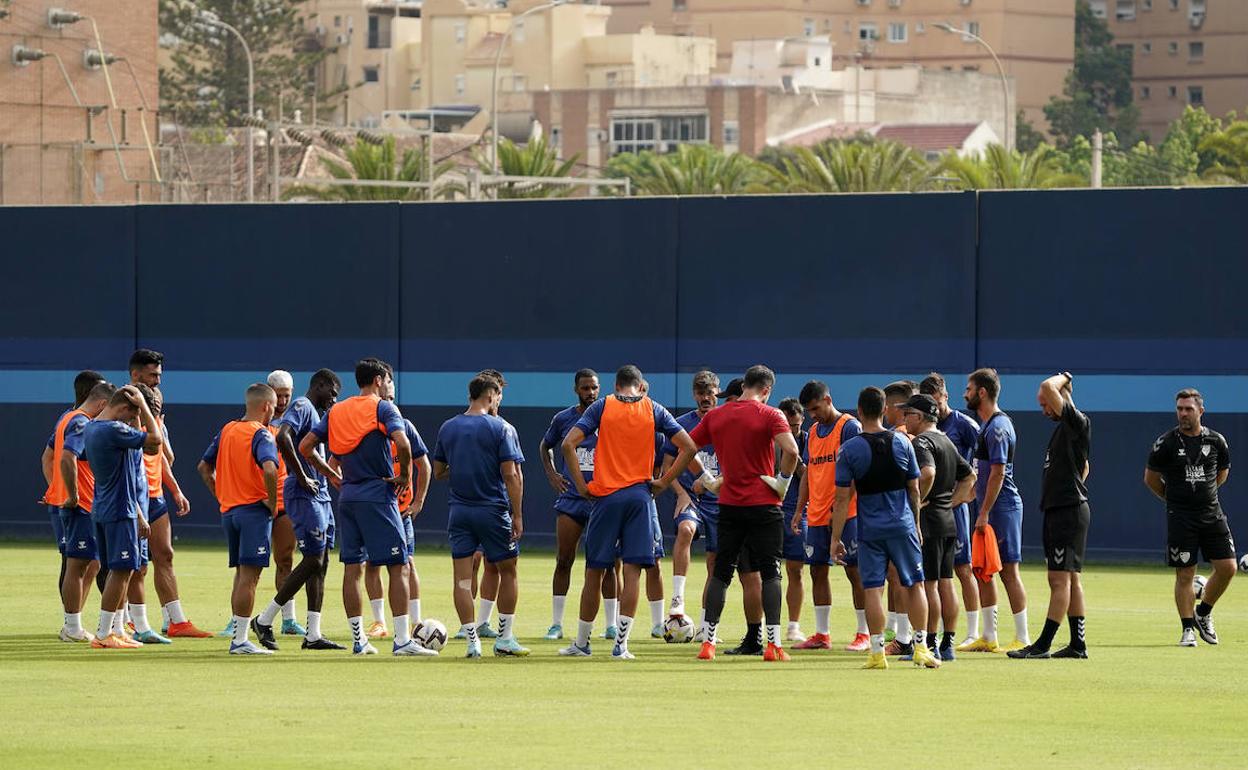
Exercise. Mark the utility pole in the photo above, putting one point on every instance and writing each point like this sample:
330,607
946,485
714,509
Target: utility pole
1098,147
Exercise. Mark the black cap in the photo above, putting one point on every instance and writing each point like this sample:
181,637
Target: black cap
735,388
924,405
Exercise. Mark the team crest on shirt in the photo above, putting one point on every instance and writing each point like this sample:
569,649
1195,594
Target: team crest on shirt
1204,450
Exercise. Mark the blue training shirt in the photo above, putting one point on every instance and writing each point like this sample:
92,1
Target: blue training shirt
560,425
473,446
302,416
115,453
996,447
962,431
366,468
884,514
707,501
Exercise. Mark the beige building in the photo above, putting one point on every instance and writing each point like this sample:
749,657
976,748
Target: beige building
1184,52
55,142
1033,38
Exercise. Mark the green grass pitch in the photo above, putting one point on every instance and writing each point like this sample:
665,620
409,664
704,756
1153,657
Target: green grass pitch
1139,701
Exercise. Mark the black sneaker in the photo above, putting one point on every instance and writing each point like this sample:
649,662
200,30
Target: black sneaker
1071,652
751,647
1030,652
1204,627
264,634
322,644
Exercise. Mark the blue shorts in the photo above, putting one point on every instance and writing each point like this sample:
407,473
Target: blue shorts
709,529
962,522
902,551
849,536
574,507
248,531
689,514
79,534
371,532
58,529
156,507
118,543
794,548
818,545
656,531
409,532
620,523
312,521
481,529
1008,525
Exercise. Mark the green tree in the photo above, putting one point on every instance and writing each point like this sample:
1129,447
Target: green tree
375,163
1194,125
1229,150
205,82
536,158
1026,138
1001,169
694,169
1171,163
852,166
1098,91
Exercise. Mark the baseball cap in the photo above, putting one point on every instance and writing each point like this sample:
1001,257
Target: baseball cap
924,405
735,388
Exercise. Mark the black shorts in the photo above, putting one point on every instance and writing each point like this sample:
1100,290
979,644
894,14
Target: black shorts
1187,539
938,555
1066,537
754,532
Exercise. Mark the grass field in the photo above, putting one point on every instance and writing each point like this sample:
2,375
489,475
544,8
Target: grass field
1139,701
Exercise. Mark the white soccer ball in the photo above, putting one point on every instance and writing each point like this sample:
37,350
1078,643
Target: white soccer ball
1198,585
1243,563
430,634
677,629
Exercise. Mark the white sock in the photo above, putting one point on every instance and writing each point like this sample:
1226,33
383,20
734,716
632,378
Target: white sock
557,604
164,617
470,629
702,621
794,626
240,629
73,621
584,629
972,624
125,613
708,630
612,611
174,611
357,630
106,624
506,625
656,612
485,608
402,630
119,622
877,644
678,595
625,625
891,625
823,614
379,610
1020,627
920,638
862,621
269,613
288,610
988,618
903,628
314,626
773,635
413,611
139,613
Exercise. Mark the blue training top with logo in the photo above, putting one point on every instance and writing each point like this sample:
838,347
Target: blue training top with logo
707,502
474,446
366,468
962,431
560,425
302,416
789,505
884,514
114,451
996,447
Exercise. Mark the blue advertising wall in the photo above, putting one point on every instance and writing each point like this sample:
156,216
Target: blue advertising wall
1134,291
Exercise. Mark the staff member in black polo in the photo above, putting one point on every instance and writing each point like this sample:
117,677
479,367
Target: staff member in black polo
1064,501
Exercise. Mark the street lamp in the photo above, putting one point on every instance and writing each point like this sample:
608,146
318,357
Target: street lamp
1005,85
210,18
498,57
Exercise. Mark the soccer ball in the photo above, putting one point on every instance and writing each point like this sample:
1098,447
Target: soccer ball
1198,585
677,629
430,634
1243,563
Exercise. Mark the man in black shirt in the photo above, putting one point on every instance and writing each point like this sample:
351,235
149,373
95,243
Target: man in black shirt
1064,502
945,481
1187,465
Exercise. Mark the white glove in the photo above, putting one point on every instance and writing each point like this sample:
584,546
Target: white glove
711,483
779,485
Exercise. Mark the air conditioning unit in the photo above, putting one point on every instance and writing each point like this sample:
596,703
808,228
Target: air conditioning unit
319,30
919,28
1197,18
965,2
894,3
341,39
864,2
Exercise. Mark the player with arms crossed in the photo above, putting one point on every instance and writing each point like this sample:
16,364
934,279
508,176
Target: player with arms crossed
1187,466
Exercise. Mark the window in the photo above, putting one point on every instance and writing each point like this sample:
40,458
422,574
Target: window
632,135
808,27
662,133
372,74
1196,50
1195,95
896,32
1146,48
864,2
679,5
337,21
1145,92
1147,5
415,84
1173,48
379,30
1174,5
1126,48
461,83
556,136
1172,91
972,27
461,32
919,28
732,133
518,83
1099,8
612,79
868,31
1124,10
517,30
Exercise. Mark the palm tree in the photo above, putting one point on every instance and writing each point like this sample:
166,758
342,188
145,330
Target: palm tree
694,169
1001,169
851,166
375,163
536,158
1229,148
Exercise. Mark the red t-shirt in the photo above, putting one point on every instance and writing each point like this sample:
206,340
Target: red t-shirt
743,433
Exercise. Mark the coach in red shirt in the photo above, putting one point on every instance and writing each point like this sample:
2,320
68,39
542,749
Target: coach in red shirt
746,434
